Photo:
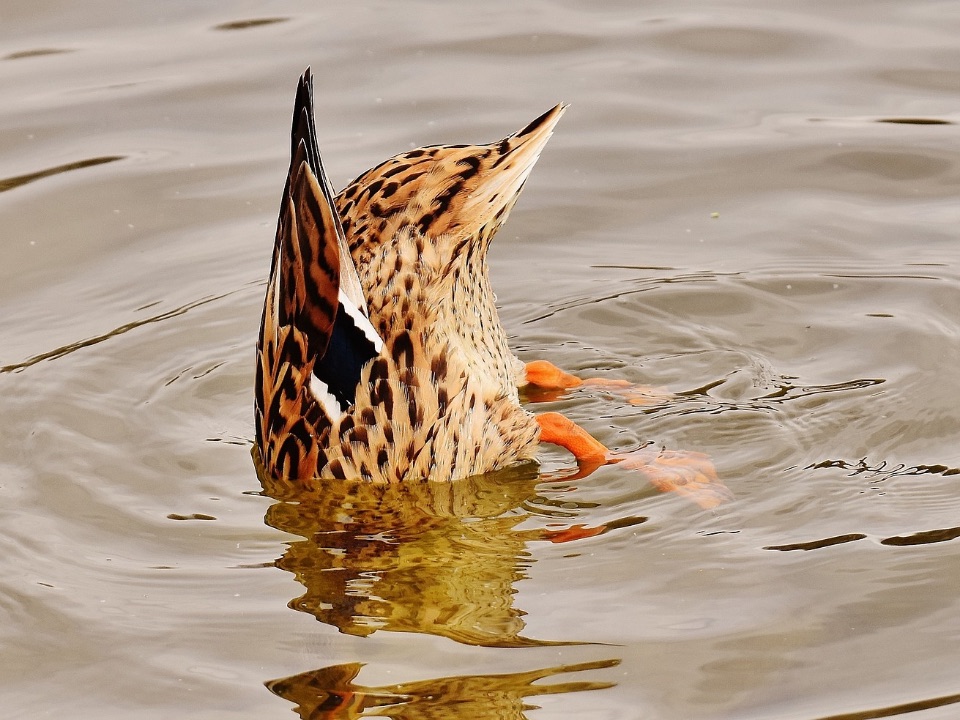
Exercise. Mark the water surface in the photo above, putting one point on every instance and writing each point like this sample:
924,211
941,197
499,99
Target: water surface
752,207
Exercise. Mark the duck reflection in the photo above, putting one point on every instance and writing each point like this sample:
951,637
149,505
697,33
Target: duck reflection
330,693
426,557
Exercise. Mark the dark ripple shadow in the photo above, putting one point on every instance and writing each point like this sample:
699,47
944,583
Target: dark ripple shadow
817,544
883,120
698,400
883,470
927,537
19,180
924,537
787,392
38,52
646,285
893,710
915,121
97,339
878,473
247,24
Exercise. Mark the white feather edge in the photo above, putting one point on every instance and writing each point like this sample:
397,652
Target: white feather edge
349,278
318,388
361,321
329,403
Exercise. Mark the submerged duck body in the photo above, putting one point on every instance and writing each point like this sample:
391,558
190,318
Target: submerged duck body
381,355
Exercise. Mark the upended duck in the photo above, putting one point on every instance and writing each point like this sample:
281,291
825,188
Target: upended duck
381,356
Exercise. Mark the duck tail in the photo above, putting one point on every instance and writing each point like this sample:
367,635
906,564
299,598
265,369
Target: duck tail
314,336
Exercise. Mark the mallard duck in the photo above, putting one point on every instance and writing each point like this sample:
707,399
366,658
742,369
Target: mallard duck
381,355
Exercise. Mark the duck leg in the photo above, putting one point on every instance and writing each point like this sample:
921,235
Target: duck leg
550,383
689,474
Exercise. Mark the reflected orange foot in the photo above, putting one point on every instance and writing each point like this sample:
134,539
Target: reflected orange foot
689,474
548,377
574,532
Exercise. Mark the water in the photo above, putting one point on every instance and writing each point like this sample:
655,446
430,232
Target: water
752,206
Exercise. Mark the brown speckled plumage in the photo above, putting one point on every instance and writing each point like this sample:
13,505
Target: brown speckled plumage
440,399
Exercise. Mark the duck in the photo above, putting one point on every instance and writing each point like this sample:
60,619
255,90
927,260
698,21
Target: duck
381,356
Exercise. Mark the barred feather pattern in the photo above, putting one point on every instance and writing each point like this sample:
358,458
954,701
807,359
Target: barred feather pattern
426,407
289,421
440,401
456,197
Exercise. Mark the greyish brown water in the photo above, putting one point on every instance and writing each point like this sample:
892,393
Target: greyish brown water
753,205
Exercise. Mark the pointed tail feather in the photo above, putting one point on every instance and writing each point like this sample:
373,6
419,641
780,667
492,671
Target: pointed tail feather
443,189
511,163
304,131
314,338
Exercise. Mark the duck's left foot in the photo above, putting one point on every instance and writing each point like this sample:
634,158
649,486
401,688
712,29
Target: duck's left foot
552,382
690,474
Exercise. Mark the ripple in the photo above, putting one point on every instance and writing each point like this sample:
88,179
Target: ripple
883,470
927,537
915,121
99,449
944,80
514,44
892,710
122,329
699,400
38,52
12,182
864,120
247,24
817,544
891,165
735,42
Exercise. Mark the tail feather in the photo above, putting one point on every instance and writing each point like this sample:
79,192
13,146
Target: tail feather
443,189
313,267
511,163
304,131
314,336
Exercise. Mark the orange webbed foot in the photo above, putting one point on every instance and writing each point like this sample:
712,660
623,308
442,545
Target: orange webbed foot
689,474
552,383
558,429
